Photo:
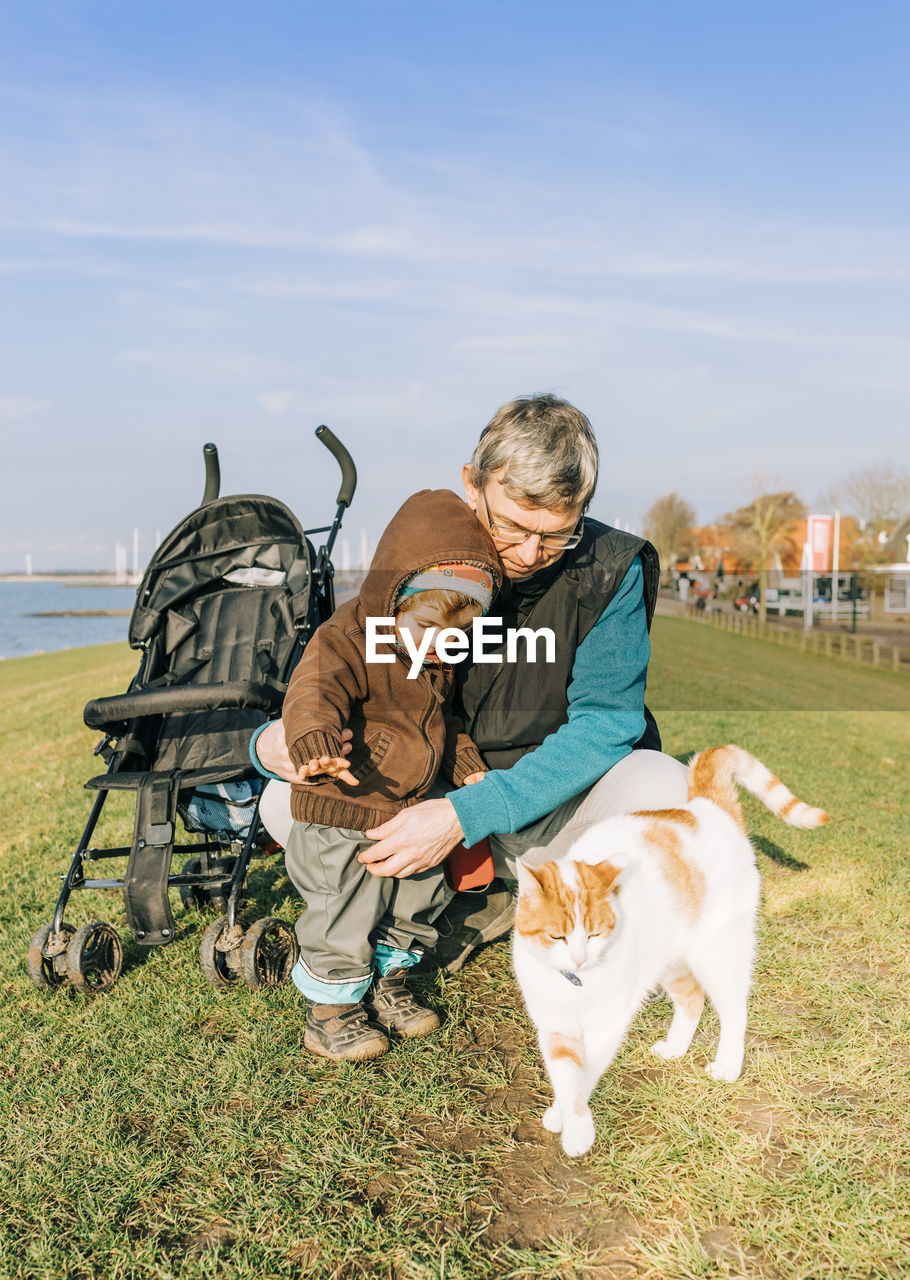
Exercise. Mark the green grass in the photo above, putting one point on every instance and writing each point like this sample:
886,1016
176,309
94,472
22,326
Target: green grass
166,1130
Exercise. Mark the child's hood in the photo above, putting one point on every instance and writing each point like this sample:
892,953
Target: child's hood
432,526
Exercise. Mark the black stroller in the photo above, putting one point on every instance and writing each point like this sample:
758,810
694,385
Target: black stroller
222,615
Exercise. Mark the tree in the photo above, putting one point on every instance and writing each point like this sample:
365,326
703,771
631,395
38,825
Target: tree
761,527
668,523
878,498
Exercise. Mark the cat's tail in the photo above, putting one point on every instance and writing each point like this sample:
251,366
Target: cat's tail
714,774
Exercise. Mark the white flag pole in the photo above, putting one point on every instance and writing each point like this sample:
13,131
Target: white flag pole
835,563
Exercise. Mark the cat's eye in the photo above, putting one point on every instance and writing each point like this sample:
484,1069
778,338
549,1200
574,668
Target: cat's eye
557,937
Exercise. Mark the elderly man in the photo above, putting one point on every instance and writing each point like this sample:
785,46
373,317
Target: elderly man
566,742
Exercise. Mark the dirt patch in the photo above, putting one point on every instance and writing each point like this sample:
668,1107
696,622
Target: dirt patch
633,1080
865,970
777,1161
217,1029
533,1193
539,1197
483,1042
216,1234
824,1091
514,1103
720,1243
768,1044
538,1194
139,1129
305,1254
764,1116
424,1131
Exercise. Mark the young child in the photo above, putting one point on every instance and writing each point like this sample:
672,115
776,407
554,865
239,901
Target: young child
435,566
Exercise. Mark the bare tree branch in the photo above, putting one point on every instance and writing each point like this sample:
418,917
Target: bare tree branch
762,527
668,523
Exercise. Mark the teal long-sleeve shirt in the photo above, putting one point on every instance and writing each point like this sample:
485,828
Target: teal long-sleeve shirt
606,718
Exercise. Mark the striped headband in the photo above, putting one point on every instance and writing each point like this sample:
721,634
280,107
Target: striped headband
455,575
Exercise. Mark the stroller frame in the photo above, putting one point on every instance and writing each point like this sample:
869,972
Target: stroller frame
90,959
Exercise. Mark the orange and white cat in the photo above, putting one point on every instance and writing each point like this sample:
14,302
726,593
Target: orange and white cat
666,896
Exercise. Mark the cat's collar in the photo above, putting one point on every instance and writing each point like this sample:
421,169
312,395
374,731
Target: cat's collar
572,977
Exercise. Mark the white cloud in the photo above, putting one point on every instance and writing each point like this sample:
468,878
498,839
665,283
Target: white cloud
276,403
515,342
197,363
18,408
329,290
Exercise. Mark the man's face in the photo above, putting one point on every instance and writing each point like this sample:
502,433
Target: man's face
520,559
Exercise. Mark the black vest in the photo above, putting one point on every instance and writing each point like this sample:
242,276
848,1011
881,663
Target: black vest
510,707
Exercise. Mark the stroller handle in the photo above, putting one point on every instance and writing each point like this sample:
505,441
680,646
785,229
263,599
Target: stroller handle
344,460
212,474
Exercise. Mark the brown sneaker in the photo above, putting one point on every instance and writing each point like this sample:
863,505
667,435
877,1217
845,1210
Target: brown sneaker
393,1006
342,1031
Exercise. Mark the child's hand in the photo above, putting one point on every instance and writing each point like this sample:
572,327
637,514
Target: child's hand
333,766
474,777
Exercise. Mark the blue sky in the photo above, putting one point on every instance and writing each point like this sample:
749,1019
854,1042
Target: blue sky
234,221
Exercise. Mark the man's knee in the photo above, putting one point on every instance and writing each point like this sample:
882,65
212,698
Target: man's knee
275,811
645,780
641,780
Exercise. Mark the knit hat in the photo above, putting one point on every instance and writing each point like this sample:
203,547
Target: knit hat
461,576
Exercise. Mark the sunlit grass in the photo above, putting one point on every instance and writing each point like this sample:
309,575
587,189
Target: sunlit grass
166,1130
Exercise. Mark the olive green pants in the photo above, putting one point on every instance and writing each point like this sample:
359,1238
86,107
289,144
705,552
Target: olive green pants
355,924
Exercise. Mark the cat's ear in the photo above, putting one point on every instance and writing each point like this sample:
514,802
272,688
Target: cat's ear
529,878
601,877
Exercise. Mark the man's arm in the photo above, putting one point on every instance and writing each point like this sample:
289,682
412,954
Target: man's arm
606,719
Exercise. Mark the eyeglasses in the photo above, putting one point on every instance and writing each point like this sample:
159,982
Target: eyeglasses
507,534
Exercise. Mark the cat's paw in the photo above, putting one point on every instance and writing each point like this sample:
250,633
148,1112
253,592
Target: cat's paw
578,1135
728,1072
552,1119
662,1049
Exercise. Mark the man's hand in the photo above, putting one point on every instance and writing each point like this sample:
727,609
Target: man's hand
331,766
474,777
272,752
414,840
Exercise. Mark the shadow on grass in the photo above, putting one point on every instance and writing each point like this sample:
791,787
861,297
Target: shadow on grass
762,844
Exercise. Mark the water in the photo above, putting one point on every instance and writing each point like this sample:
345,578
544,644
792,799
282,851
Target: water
21,634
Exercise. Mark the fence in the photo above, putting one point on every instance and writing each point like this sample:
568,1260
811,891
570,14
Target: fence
850,648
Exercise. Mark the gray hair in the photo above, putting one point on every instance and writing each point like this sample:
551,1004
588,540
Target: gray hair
548,449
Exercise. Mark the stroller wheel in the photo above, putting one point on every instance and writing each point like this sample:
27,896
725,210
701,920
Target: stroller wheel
94,958
219,953
46,961
268,953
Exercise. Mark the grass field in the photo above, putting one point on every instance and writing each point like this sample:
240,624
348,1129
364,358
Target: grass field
166,1130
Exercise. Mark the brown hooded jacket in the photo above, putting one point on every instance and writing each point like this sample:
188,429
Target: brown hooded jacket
403,731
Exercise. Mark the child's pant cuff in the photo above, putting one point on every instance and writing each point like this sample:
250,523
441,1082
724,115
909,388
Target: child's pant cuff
319,991
388,958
